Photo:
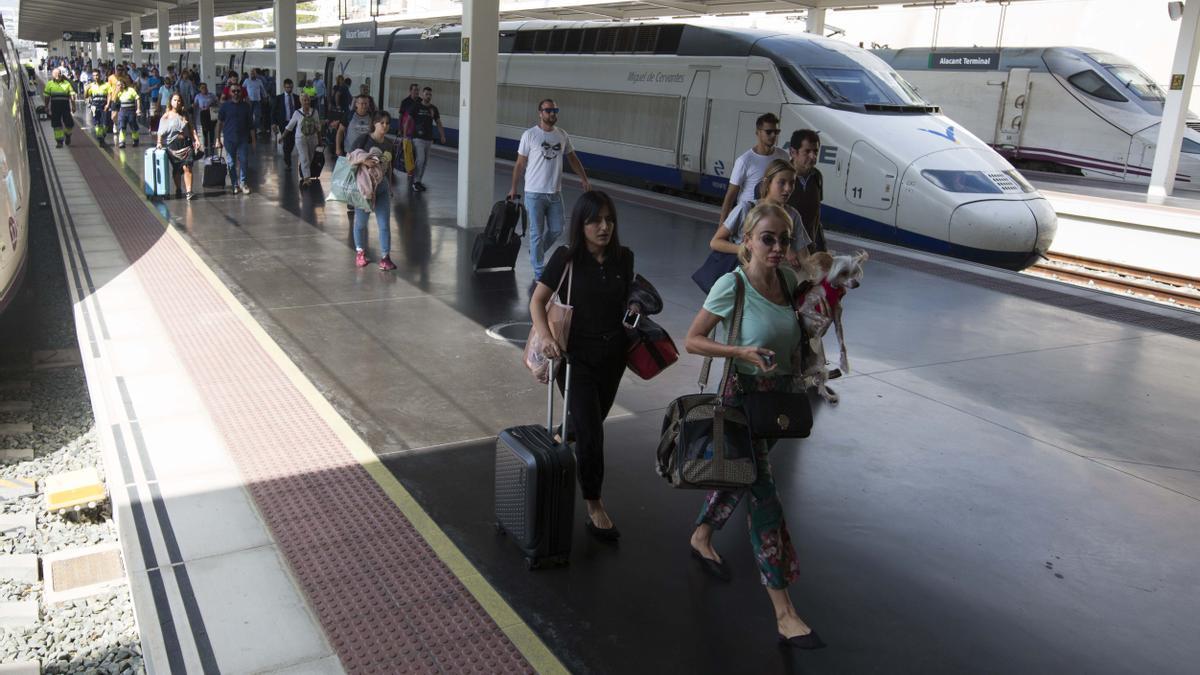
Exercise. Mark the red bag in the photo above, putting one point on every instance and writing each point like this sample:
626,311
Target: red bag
651,351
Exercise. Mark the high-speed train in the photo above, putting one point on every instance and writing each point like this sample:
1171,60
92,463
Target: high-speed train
671,106
1078,111
14,173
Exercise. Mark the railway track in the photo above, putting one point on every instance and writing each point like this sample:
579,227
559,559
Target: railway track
1171,289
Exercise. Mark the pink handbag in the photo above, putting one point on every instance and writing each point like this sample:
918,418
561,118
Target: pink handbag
558,316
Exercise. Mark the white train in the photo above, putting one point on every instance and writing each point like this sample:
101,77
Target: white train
14,173
671,105
1078,111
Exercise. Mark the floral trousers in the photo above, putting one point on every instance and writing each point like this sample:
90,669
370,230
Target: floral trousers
777,564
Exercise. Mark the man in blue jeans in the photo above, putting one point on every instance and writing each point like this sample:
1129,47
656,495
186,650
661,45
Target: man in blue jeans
234,132
540,160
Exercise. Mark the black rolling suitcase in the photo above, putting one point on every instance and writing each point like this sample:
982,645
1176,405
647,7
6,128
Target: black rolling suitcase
215,170
535,487
498,246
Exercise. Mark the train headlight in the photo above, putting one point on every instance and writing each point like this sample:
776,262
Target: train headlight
950,180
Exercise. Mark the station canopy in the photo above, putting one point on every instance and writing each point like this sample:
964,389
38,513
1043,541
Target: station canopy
45,20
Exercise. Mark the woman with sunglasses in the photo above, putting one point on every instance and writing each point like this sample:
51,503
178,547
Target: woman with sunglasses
776,187
764,360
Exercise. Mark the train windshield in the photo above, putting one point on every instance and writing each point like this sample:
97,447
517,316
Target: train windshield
843,74
1130,76
860,87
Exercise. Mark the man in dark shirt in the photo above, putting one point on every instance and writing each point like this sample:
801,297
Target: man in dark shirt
234,127
806,198
407,124
425,116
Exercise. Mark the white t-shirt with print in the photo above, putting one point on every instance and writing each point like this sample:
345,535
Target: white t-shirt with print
750,168
545,151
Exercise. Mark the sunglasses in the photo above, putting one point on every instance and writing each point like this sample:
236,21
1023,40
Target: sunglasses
769,240
550,110
770,132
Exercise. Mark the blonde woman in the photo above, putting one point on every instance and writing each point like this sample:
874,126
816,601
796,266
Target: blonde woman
764,360
776,187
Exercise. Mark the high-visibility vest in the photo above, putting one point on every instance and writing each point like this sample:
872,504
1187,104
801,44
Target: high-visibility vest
96,93
59,90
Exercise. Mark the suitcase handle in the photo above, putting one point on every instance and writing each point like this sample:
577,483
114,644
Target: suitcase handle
550,399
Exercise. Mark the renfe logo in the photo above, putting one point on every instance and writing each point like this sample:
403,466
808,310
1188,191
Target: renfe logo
948,134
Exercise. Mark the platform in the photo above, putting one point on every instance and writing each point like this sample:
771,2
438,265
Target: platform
1009,484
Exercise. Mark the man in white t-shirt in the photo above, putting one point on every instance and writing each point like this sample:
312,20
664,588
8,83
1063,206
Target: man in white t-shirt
751,166
540,160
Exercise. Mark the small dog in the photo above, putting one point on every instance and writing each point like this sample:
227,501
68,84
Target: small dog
825,279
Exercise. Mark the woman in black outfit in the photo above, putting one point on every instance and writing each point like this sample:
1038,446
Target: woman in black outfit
596,346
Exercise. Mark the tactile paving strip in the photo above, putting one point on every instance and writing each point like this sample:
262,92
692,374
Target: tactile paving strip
385,600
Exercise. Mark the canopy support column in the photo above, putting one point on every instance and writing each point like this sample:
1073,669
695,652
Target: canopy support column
208,52
135,39
815,21
1170,130
163,40
477,111
285,42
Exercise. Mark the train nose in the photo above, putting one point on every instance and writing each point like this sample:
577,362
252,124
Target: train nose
1006,233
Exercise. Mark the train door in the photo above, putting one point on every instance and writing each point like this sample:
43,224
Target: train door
870,178
370,71
232,62
328,77
1014,108
722,148
695,121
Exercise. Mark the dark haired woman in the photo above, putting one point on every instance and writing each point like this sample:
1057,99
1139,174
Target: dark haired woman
179,136
383,193
598,271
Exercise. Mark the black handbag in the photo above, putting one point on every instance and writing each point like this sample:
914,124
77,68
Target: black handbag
705,443
779,414
715,266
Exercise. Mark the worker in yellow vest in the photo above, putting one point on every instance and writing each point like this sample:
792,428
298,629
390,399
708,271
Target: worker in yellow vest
126,113
97,92
59,97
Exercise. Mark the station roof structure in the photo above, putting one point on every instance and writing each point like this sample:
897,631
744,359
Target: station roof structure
45,20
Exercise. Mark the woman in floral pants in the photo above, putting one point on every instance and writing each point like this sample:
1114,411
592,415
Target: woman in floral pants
768,341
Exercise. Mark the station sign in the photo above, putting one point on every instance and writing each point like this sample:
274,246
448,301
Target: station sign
964,61
80,36
358,35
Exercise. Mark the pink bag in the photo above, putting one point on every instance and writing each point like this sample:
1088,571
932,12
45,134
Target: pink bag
558,316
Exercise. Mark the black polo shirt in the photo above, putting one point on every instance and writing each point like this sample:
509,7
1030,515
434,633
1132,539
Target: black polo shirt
806,199
599,291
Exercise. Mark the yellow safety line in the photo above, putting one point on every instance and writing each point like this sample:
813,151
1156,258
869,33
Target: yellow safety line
519,633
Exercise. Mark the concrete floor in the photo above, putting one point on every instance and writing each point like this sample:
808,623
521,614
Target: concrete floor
1007,486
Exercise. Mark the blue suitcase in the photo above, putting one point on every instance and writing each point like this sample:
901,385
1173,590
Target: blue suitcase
535,488
157,179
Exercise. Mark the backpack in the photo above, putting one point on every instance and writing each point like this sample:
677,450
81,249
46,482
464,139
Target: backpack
502,224
309,124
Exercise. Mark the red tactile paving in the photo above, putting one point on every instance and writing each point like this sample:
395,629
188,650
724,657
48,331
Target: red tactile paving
384,599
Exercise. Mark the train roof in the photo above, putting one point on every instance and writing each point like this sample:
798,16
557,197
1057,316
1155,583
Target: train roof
643,37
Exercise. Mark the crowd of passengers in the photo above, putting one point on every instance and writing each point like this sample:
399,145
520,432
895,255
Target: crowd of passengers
770,220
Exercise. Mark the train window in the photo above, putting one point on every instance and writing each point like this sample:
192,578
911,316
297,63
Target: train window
541,38
849,85
524,42
1090,82
1138,82
4,74
644,38
574,39
606,40
624,40
1190,147
668,39
590,36
794,82
975,182
557,38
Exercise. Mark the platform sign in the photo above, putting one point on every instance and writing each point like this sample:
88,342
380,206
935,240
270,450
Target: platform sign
466,50
358,35
80,36
1177,82
964,61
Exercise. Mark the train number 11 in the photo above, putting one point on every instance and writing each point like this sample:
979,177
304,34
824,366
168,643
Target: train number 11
856,192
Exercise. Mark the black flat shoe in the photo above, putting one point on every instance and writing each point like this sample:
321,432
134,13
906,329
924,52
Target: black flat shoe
808,641
711,567
602,533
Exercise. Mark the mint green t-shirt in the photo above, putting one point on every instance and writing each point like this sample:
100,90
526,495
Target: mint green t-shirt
764,323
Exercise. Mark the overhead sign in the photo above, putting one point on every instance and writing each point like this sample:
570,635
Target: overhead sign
358,35
964,61
80,36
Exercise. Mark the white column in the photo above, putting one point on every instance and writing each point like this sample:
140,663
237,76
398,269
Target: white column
117,42
1170,130
135,38
208,53
285,42
103,43
477,111
164,36
815,21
